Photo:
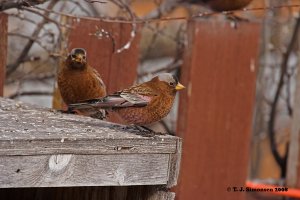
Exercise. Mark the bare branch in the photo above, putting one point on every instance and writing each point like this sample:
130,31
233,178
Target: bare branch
91,1
36,40
165,7
133,24
176,64
5,5
45,16
100,33
23,18
78,4
11,68
288,93
281,161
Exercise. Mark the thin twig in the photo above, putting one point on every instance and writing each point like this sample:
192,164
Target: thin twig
176,63
11,68
133,24
201,14
23,18
5,5
288,94
46,17
78,4
101,33
35,77
165,7
36,40
153,40
281,161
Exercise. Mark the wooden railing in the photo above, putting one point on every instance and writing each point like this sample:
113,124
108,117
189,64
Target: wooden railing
42,148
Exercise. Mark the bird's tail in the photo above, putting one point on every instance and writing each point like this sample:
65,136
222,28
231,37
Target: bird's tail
88,104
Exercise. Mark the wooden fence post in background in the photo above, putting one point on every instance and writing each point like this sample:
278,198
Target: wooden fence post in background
3,49
216,109
118,70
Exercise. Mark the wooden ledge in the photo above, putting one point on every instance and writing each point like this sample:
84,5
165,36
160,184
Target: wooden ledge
42,148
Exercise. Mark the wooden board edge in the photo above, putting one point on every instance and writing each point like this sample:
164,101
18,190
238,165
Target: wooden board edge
174,165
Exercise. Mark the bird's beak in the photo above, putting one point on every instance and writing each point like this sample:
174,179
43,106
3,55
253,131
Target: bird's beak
179,86
78,58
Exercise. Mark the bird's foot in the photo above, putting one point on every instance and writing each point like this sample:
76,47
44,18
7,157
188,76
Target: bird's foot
68,111
147,132
144,131
101,114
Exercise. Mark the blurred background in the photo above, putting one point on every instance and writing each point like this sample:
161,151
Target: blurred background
157,38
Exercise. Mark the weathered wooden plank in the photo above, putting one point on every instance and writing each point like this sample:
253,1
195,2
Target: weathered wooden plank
81,146
3,49
175,161
87,193
39,148
216,108
83,170
31,130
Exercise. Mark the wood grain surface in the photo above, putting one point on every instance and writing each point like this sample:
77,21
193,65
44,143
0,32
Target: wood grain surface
44,148
31,130
83,170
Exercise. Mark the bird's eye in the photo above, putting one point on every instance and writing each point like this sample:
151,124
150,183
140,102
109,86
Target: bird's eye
171,84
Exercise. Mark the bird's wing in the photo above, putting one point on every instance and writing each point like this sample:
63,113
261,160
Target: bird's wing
111,101
132,97
98,77
137,95
141,89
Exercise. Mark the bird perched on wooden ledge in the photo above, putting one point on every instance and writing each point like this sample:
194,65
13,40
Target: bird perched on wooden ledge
141,104
78,81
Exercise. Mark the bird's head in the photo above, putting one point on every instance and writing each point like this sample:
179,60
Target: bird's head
168,82
77,58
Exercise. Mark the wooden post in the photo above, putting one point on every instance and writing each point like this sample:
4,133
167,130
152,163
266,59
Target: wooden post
216,109
3,49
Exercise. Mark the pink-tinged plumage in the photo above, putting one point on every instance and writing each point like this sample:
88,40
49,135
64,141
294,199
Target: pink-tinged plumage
140,104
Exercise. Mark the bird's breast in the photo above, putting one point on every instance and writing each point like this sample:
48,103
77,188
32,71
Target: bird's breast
76,86
158,108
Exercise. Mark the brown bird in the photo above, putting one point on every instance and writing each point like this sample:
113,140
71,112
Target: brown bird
140,104
78,81
221,5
